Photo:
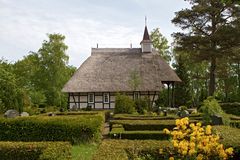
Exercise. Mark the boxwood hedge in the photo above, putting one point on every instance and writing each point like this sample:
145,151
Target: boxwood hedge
35,151
123,149
135,125
229,137
117,133
231,108
142,117
75,129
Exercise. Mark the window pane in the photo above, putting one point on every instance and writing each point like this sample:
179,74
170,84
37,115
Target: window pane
106,97
90,97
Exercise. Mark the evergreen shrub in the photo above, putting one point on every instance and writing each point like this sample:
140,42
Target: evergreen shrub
124,104
35,151
75,129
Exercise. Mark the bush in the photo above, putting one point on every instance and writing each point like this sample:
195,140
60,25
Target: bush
35,150
210,108
126,149
229,137
235,123
231,108
142,105
143,117
138,125
75,129
192,141
124,104
82,113
119,133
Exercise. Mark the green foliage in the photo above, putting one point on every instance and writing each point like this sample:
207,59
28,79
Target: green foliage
138,135
231,108
235,123
135,125
75,129
10,94
38,98
182,90
229,137
123,149
162,100
35,150
161,44
210,32
135,80
142,117
84,151
124,104
210,108
142,105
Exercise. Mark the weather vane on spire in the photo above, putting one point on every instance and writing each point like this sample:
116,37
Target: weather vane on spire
145,20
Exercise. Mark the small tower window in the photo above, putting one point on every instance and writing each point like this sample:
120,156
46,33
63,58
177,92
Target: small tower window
106,97
90,98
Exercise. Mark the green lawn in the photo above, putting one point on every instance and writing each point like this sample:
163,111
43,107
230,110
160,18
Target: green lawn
83,151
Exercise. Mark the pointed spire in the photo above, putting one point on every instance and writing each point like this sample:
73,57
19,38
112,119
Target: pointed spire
146,35
146,43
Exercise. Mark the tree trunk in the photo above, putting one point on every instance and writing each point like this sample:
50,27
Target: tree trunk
212,76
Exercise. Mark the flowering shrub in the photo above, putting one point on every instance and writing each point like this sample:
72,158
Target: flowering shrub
192,141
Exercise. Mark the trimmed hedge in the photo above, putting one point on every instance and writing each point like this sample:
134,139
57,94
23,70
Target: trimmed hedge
231,108
119,133
35,151
230,137
149,117
135,125
235,123
142,117
75,129
75,113
123,149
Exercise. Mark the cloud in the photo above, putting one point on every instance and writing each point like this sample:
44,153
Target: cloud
24,24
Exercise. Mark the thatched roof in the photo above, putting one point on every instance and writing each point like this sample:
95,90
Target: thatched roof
111,70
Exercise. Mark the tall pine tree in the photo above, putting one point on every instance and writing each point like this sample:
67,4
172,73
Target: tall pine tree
211,32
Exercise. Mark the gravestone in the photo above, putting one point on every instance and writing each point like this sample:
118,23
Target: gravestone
11,113
217,120
24,114
51,114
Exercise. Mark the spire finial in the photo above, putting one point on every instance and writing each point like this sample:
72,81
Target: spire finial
145,20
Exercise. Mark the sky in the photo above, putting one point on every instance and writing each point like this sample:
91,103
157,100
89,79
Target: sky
24,24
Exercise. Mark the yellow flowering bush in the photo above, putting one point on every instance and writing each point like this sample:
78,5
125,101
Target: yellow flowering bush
192,141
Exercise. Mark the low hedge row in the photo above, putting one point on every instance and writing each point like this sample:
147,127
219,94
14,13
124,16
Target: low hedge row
35,151
118,133
75,129
230,137
231,108
135,125
142,117
123,149
76,113
235,123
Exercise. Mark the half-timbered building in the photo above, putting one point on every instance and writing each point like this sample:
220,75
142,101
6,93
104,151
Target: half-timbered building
136,72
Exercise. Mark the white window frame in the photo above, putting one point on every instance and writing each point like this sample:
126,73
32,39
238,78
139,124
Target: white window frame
104,97
89,97
136,95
